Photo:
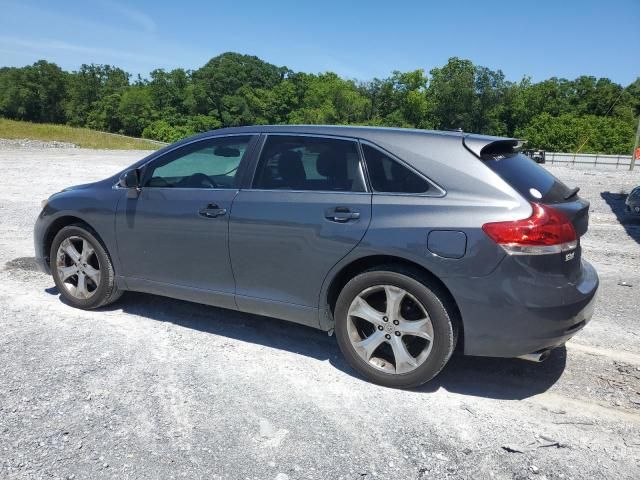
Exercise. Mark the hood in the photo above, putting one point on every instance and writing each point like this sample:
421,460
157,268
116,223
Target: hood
78,187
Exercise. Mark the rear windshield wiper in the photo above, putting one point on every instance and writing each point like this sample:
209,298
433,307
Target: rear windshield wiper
572,192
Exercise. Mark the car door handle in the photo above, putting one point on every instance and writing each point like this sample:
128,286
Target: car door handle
341,214
212,211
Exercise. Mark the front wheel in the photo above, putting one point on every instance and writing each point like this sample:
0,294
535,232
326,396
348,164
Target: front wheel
395,327
82,269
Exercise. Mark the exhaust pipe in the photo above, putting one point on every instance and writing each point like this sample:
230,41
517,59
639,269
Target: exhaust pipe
537,357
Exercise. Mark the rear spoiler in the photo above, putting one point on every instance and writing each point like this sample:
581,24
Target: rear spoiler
481,145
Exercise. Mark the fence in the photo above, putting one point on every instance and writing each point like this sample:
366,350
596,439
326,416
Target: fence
586,160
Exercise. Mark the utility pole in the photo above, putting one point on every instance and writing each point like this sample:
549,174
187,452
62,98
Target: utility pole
635,147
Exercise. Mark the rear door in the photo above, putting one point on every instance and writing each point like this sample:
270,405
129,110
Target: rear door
307,207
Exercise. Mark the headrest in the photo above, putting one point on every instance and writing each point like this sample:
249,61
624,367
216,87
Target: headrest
332,164
290,166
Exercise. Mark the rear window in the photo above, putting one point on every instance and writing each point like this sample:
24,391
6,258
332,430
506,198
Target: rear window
529,179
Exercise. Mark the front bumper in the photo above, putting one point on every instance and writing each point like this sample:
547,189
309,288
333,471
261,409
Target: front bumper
510,317
632,202
39,233
43,266
633,208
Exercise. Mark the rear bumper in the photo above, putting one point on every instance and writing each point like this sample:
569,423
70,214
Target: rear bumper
510,317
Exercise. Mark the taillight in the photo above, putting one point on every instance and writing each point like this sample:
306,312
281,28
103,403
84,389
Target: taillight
546,231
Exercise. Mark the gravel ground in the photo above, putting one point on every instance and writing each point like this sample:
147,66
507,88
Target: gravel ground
28,143
158,388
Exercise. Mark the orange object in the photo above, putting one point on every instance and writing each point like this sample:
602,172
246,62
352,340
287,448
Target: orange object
638,153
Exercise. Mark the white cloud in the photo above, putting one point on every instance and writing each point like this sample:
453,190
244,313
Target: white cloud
134,16
100,34
47,45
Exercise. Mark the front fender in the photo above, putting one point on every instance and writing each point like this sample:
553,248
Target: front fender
94,205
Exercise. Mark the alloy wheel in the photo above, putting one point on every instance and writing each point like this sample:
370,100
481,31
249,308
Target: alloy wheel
390,329
78,267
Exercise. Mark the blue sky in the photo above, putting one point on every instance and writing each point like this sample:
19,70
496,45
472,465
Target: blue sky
356,39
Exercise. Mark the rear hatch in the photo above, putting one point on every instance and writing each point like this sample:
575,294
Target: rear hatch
538,186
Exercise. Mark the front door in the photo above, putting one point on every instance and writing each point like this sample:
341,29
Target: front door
176,231
307,208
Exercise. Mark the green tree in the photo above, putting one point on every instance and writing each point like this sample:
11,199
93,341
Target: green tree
220,79
165,132
490,91
88,86
16,100
634,97
33,93
570,133
234,89
135,111
452,95
170,92
400,100
600,97
104,113
329,99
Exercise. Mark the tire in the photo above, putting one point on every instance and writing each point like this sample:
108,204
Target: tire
100,289
423,299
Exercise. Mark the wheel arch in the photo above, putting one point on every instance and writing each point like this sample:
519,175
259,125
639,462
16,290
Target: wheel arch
58,224
359,265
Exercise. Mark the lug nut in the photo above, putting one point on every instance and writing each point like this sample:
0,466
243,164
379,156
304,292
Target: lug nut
385,319
396,322
380,327
398,334
387,336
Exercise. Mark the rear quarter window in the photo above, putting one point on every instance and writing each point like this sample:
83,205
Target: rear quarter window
533,182
389,176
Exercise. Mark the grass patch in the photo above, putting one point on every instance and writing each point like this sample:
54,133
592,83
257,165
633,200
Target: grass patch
82,137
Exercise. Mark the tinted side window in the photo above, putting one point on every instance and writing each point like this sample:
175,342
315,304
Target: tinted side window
211,163
529,179
309,163
387,175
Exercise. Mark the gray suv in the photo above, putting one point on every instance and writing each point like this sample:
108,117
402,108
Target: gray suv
407,243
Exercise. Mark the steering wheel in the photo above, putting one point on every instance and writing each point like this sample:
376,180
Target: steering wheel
158,182
198,180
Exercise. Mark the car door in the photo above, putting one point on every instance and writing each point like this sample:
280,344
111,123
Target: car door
176,231
306,208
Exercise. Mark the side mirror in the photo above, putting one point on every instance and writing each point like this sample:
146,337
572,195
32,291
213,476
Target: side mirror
130,180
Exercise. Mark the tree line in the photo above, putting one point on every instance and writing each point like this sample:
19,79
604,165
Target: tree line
590,114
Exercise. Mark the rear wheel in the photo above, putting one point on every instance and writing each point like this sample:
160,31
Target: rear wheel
394,326
82,269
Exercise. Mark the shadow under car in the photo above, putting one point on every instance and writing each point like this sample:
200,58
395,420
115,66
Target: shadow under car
498,378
